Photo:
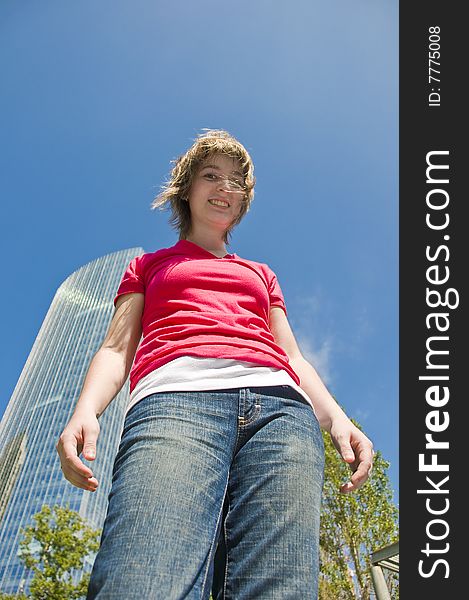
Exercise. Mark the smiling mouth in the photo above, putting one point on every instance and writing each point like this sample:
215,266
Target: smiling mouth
217,202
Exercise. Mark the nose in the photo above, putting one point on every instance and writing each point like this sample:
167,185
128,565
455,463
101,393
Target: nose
223,185
227,185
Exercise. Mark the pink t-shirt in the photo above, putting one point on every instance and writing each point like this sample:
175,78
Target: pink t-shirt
197,304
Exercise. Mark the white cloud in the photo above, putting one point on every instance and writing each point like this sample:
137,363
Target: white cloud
308,324
319,356
361,415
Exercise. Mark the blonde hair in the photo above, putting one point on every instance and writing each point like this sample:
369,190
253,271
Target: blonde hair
175,192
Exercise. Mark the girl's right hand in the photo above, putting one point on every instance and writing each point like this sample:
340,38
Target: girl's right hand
80,435
106,375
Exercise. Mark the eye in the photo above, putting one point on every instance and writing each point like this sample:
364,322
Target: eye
236,184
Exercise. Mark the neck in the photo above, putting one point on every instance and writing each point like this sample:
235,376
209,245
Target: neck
209,240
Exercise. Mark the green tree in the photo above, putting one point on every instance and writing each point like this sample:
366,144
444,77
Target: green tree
352,527
53,547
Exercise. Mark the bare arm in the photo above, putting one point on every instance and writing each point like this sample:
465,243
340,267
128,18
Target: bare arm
110,367
352,444
107,373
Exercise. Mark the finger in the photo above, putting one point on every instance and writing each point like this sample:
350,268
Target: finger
69,457
358,478
362,470
346,450
347,487
354,484
361,475
348,455
364,453
73,463
90,484
89,444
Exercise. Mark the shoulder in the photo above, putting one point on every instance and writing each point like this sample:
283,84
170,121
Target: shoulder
259,266
149,259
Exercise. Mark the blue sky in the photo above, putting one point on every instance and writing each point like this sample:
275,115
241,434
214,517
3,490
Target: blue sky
98,98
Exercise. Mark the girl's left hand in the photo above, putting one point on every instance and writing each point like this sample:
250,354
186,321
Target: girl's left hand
356,450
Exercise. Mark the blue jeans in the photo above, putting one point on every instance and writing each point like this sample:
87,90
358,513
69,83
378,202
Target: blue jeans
214,491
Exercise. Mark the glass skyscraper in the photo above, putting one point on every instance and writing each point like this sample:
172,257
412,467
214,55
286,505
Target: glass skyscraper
42,403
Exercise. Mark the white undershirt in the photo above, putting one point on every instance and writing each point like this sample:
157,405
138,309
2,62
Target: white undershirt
191,373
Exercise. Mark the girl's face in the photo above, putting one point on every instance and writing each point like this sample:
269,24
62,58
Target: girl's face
216,193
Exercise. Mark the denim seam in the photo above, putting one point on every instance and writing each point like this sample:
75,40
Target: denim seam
226,546
213,544
252,418
242,422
